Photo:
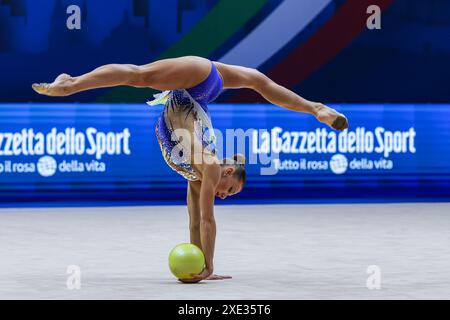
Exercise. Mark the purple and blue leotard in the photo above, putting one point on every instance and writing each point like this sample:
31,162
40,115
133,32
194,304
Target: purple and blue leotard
192,104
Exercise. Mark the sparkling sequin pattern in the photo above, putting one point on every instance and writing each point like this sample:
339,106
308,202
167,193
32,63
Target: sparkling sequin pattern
192,102
173,153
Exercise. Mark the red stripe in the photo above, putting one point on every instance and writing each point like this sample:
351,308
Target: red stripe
335,35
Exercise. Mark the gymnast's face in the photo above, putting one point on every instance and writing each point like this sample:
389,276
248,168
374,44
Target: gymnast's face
228,184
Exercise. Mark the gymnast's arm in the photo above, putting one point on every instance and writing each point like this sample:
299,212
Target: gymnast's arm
210,180
193,204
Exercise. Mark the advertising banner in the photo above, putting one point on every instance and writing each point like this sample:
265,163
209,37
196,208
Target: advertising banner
76,152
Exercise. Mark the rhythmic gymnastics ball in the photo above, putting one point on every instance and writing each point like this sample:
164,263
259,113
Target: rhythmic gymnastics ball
186,259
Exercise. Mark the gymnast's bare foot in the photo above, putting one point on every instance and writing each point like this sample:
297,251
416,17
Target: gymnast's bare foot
331,117
58,88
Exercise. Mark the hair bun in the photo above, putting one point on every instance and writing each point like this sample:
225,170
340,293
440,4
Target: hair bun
239,159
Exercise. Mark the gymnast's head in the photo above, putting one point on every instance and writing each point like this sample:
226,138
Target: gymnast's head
233,176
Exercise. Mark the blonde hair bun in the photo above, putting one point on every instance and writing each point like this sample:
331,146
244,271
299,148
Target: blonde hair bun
239,159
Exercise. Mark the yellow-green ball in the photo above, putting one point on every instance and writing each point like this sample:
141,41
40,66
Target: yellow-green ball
186,259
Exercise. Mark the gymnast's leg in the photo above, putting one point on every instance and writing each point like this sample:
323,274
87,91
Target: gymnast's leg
166,74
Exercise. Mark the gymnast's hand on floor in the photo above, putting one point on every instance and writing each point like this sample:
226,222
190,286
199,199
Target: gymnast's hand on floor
217,277
207,274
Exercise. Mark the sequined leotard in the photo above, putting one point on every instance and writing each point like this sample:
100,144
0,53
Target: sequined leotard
187,108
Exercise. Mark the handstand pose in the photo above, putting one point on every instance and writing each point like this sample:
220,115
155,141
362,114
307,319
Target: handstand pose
190,83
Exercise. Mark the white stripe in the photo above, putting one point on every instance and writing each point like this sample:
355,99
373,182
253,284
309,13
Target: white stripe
281,26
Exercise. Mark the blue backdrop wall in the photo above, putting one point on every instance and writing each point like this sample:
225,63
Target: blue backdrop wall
321,49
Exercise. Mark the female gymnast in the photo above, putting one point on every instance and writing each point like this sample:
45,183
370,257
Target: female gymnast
184,129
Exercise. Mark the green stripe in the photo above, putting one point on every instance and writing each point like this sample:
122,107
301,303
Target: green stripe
225,19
